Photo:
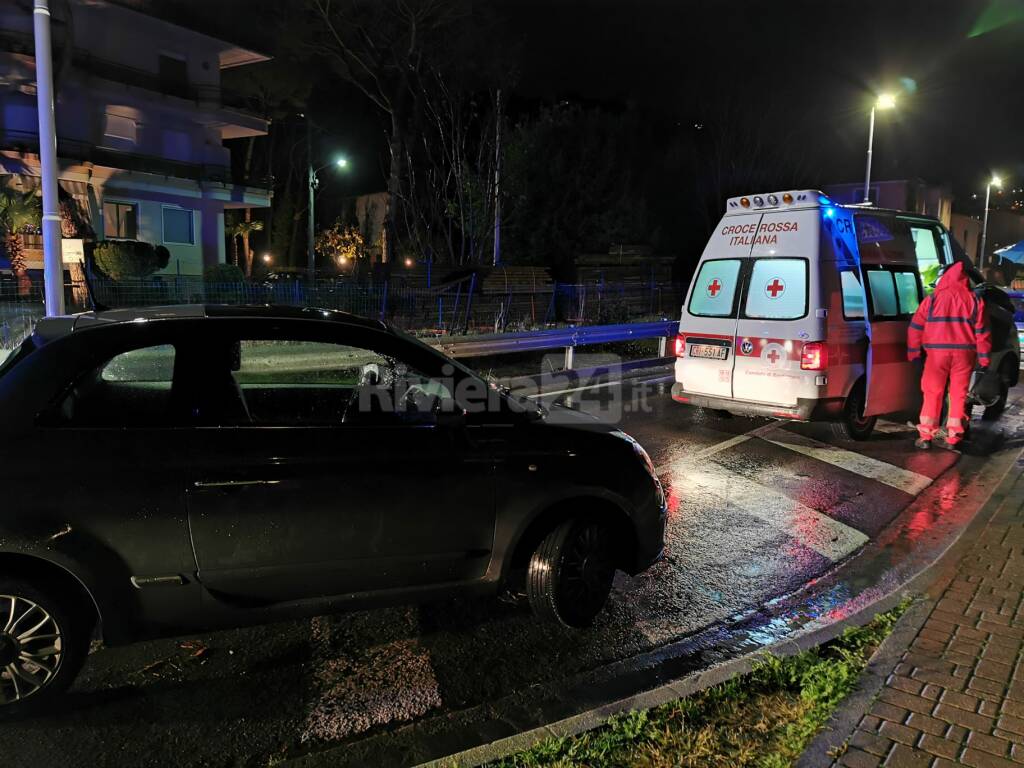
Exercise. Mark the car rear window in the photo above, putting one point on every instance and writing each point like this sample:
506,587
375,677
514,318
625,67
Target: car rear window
777,289
714,288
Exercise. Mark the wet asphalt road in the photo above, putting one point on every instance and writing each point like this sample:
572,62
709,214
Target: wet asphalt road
757,510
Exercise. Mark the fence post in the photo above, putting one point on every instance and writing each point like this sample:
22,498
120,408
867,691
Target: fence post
469,302
384,301
663,346
569,355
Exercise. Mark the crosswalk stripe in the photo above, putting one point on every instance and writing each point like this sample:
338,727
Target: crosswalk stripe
865,466
814,530
711,450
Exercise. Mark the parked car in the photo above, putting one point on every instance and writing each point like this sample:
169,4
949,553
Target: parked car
181,469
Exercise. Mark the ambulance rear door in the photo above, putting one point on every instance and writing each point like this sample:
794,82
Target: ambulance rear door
892,284
778,313
708,324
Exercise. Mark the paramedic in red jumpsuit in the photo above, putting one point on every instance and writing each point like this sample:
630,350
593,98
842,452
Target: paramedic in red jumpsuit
951,329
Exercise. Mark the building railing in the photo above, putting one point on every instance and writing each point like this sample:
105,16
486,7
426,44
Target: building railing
81,151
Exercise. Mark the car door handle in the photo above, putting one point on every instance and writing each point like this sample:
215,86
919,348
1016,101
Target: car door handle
232,483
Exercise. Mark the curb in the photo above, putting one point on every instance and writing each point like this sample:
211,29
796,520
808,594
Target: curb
681,687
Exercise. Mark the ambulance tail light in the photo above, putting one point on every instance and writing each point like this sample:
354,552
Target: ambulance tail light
814,357
679,346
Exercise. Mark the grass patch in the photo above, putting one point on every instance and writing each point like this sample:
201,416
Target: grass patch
765,718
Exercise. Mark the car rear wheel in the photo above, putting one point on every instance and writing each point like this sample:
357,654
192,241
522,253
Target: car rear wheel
570,573
853,424
995,409
42,648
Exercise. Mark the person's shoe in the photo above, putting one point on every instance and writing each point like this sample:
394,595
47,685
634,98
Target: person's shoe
922,445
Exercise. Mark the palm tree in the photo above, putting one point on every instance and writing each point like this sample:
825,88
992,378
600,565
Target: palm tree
245,229
18,210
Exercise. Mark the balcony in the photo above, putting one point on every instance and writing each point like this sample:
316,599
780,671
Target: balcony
86,63
84,152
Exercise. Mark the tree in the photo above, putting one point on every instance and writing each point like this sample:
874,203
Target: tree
243,229
128,259
340,243
384,48
18,212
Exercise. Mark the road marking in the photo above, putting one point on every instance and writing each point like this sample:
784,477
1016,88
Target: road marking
711,450
865,466
814,530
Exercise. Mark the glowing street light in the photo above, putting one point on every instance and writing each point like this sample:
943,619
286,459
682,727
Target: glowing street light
267,258
994,182
884,101
314,182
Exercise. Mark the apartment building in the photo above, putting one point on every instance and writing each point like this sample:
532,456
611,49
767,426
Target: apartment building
141,124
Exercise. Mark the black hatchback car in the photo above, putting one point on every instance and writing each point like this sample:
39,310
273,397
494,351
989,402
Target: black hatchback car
180,469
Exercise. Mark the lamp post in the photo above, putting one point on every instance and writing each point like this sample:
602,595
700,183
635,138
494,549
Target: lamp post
884,101
314,182
994,181
53,260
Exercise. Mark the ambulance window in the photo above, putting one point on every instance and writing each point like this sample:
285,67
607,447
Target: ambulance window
908,291
883,294
853,296
927,248
714,288
777,290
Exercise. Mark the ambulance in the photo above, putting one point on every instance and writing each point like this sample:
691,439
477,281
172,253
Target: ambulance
799,310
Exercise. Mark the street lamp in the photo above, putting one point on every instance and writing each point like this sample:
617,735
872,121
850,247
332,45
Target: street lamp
266,258
314,182
995,181
884,101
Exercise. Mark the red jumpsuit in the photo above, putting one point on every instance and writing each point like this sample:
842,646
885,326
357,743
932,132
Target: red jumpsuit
951,328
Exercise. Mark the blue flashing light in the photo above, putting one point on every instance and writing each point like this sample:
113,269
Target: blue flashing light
830,213
824,200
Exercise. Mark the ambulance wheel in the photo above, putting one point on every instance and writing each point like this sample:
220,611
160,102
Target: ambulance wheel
853,424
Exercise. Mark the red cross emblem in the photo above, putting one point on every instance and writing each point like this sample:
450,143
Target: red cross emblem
714,287
775,288
773,356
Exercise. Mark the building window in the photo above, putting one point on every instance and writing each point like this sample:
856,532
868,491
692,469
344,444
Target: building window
120,220
173,75
178,226
118,127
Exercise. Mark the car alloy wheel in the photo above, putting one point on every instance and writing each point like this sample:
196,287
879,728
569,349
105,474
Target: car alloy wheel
31,648
587,569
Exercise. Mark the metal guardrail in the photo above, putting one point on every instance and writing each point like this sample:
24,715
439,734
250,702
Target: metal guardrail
568,339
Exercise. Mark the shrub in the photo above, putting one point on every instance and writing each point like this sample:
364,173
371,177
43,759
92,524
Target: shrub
126,259
223,273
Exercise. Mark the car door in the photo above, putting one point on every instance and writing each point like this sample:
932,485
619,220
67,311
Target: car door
317,485
708,327
893,288
118,502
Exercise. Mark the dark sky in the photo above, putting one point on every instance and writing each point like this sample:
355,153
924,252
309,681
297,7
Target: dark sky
802,73
817,64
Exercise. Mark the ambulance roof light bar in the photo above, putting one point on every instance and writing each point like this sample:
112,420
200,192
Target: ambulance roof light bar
803,198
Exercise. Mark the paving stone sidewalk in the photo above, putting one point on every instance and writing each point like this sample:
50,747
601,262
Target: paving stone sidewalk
956,696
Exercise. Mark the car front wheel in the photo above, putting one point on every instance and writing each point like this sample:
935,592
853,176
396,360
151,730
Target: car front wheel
42,648
570,573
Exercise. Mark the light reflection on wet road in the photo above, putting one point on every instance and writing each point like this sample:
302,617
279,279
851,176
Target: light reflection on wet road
752,517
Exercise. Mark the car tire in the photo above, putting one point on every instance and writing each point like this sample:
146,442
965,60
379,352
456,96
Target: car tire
570,573
995,410
43,645
853,424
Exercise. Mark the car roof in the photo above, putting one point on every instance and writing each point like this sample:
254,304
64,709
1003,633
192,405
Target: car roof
51,328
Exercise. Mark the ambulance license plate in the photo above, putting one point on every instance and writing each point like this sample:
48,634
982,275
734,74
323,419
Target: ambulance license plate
710,351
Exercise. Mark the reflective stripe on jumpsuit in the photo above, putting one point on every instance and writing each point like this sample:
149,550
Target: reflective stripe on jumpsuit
951,329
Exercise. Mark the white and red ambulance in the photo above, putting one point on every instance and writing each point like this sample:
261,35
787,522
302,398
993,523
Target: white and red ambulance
799,310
